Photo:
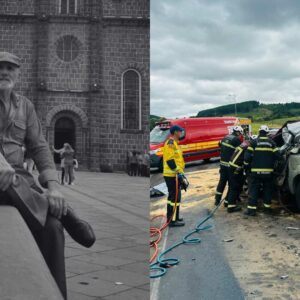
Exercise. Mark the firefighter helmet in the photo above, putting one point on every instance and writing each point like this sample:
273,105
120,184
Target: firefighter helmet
238,129
264,128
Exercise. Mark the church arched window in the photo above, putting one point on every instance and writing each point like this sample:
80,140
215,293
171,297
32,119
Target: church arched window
68,7
131,100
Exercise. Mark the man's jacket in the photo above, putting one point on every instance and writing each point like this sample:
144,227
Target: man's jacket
228,146
24,129
261,156
172,158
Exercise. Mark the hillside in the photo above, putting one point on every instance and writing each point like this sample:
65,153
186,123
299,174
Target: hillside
255,110
154,119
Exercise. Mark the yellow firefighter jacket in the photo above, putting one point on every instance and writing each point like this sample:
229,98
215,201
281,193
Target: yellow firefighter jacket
172,158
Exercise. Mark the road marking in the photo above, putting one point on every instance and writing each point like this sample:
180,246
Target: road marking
155,285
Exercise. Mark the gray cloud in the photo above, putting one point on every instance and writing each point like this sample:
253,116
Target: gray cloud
203,50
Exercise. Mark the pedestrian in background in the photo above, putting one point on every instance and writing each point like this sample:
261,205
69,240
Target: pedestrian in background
68,156
140,163
133,161
62,164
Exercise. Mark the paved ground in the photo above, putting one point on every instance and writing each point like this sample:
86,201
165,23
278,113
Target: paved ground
203,272
117,206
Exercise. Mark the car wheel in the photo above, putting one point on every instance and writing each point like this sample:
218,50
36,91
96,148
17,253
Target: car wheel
297,194
207,160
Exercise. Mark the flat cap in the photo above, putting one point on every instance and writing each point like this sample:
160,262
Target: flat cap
10,58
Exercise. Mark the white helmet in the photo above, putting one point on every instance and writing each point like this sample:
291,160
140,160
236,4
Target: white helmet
253,137
238,129
264,128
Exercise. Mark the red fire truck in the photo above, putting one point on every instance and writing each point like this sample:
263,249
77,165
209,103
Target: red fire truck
199,140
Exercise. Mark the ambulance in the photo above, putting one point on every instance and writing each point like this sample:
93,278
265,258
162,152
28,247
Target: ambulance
199,139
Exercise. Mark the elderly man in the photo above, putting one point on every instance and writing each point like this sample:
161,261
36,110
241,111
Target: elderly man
45,214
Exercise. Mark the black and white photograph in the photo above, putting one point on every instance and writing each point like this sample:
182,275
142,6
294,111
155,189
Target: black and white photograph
74,139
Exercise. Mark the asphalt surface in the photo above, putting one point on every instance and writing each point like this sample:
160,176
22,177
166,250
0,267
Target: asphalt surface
203,272
157,177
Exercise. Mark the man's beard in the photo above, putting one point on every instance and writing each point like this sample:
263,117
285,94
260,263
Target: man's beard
6,85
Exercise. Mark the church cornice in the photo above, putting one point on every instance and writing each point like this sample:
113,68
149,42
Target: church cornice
105,20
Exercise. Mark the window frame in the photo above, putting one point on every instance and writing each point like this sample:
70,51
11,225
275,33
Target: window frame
68,7
140,99
61,50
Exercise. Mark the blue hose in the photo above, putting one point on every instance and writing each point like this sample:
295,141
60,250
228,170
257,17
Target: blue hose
160,266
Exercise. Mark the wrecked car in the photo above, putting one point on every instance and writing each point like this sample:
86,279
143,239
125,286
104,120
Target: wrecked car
287,139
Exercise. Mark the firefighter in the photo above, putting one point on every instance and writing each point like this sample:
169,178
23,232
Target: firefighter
173,166
228,145
236,175
260,159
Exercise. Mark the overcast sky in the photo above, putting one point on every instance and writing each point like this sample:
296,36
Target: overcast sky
204,50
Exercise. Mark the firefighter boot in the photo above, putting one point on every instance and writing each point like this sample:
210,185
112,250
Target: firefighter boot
234,209
176,223
225,202
218,199
177,215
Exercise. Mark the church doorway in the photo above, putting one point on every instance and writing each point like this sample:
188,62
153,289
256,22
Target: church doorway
64,132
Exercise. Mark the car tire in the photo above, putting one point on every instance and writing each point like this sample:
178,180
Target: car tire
206,160
297,194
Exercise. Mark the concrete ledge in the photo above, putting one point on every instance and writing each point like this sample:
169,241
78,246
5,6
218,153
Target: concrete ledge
23,271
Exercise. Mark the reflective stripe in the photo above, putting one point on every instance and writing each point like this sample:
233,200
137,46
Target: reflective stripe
250,148
234,165
231,205
218,193
262,170
224,163
173,204
169,172
263,149
174,215
267,205
245,163
275,149
225,201
240,150
228,145
263,137
251,207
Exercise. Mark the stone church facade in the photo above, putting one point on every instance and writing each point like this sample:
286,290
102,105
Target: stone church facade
85,66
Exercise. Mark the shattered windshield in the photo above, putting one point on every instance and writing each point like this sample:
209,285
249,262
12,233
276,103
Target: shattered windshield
294,128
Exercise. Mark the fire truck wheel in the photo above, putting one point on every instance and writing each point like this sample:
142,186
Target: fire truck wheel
297,194
207,160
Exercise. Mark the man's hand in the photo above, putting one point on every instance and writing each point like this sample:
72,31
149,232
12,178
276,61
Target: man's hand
57,203
6,174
